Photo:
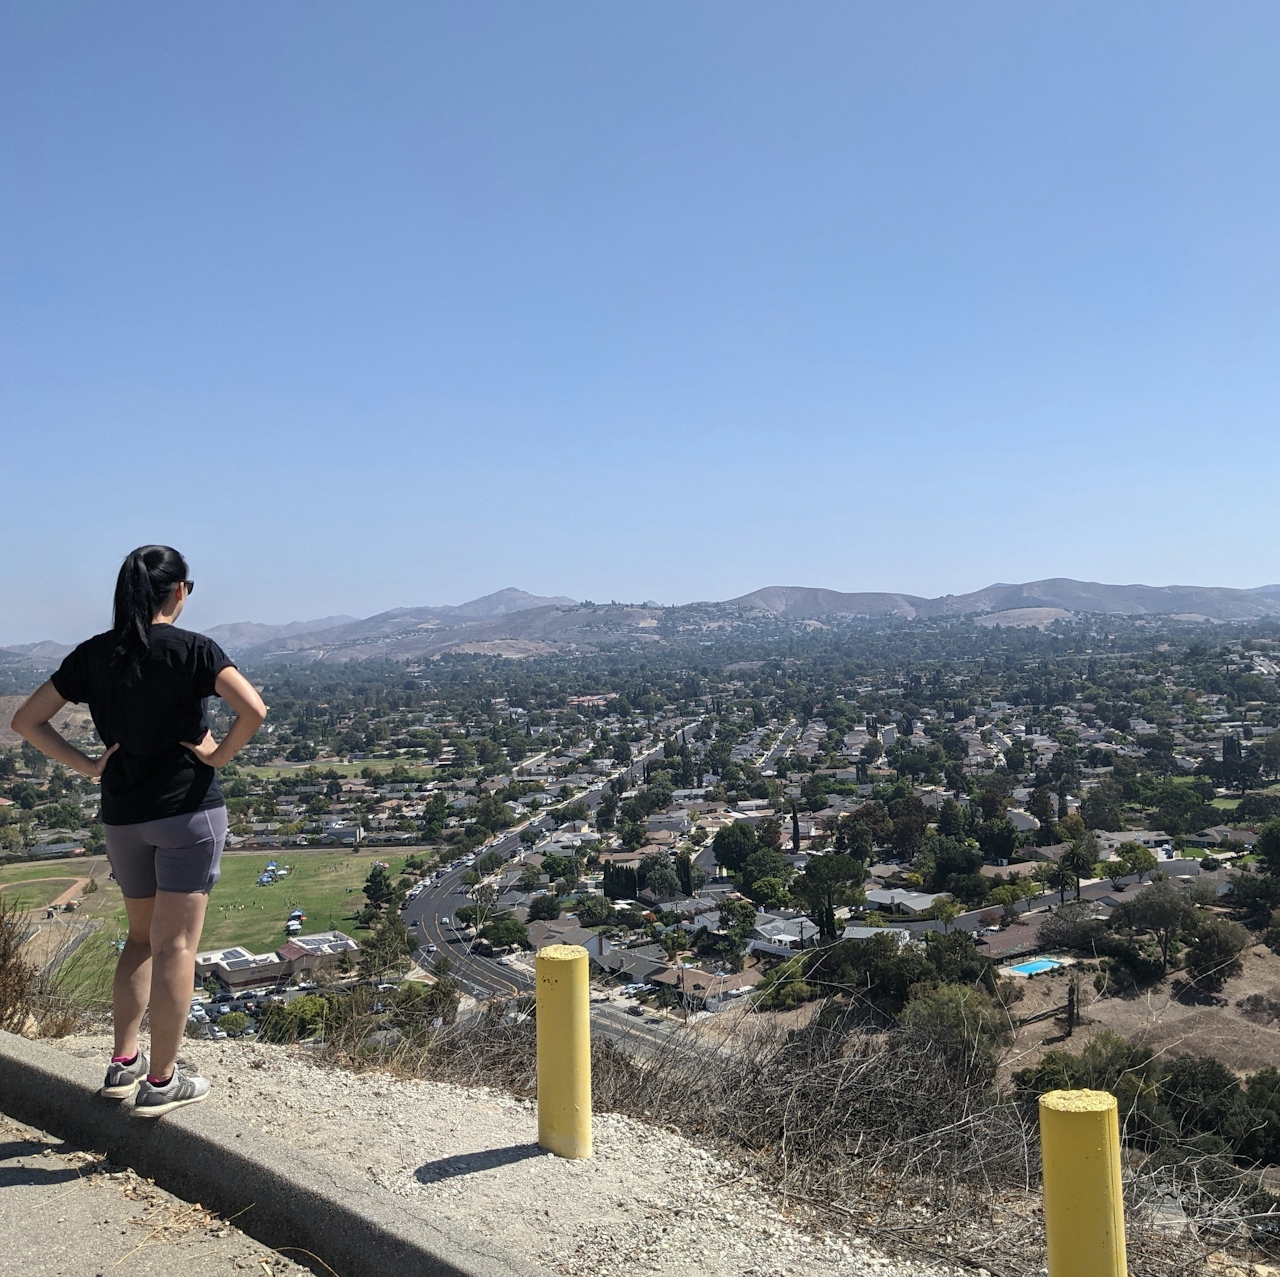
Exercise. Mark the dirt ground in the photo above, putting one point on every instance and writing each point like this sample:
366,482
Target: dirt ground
1241,1037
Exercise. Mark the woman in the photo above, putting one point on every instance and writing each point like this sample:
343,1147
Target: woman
145,681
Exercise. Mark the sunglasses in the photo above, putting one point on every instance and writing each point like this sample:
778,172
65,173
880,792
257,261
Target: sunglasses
190,585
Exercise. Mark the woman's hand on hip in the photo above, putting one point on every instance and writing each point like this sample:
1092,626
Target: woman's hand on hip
206,751
98,765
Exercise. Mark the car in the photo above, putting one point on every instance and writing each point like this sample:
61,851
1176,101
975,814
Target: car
444,922
504,962
635,1010
431,948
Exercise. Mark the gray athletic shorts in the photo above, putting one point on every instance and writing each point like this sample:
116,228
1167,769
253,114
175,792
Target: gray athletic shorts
179,853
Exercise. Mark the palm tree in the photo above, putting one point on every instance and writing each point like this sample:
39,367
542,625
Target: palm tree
1080,858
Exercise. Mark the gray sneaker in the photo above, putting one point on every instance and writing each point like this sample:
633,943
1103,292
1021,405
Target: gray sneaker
122,1079
154,1100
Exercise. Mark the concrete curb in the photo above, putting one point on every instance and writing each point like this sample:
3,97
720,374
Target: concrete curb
280,1195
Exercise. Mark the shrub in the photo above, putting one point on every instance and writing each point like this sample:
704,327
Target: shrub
1214,955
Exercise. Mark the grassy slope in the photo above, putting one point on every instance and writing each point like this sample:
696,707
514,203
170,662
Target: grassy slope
72,869
36,894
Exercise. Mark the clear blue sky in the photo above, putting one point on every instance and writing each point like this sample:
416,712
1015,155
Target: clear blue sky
365,305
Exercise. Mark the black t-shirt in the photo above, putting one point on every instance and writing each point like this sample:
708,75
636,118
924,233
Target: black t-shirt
150,776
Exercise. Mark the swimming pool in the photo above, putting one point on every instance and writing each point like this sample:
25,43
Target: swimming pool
1036,966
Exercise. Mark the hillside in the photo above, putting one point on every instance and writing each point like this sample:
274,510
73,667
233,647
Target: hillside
514,623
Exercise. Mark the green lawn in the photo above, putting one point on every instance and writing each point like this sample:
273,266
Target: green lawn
36,893
326,884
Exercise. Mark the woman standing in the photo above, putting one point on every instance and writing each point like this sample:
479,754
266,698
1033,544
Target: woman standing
145,681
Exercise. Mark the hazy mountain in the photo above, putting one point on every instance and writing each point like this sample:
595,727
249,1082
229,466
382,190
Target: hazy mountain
1209,602
513,622
240,635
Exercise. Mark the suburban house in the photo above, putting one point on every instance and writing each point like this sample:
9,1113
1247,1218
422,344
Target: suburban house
899,900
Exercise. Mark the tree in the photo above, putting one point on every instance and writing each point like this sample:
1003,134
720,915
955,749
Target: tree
378,887
234,1023
544,908
963,1020
1101,807
506,932
594,911
1271,755
1163,910
769,834
387,948
733,844
947,910
1136,859
825,880
764,863
1268,844
1080,858
998,838
1214,954
951,819
853,838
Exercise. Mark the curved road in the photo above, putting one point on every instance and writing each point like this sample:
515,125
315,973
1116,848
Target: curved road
483,977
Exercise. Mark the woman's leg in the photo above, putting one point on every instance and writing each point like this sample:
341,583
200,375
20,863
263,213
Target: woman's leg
131,987
175,937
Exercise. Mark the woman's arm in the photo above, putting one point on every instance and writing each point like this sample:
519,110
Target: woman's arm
31,722
250,712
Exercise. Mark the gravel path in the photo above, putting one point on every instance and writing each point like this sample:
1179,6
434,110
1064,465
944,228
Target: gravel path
66,1213
648,1202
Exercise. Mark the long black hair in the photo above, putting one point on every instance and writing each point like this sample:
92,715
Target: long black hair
146,579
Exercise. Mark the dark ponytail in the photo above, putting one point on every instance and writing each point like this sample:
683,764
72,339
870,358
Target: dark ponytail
146,579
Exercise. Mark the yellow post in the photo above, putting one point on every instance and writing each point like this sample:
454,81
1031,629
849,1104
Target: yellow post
1083,1198
564,1051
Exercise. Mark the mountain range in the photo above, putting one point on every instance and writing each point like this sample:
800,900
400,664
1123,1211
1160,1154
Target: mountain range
515,623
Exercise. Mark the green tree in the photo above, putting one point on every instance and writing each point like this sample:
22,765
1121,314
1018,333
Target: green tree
594,911
1268,844
387,948
827,881
733,844
1162,909
1136,859
965,1021
1079,859
378,887
544,908
947,910
234,1023
1213,956
505,932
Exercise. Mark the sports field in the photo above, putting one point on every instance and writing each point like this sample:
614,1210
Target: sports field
35,893
328,885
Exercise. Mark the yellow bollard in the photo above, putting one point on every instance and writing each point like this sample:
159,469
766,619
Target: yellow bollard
1083,1198
564,1051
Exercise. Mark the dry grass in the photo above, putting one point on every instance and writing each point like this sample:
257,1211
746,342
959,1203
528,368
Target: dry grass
33,1001
876,1129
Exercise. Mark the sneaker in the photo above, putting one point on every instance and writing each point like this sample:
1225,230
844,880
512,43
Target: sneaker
154,1100
122,1079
